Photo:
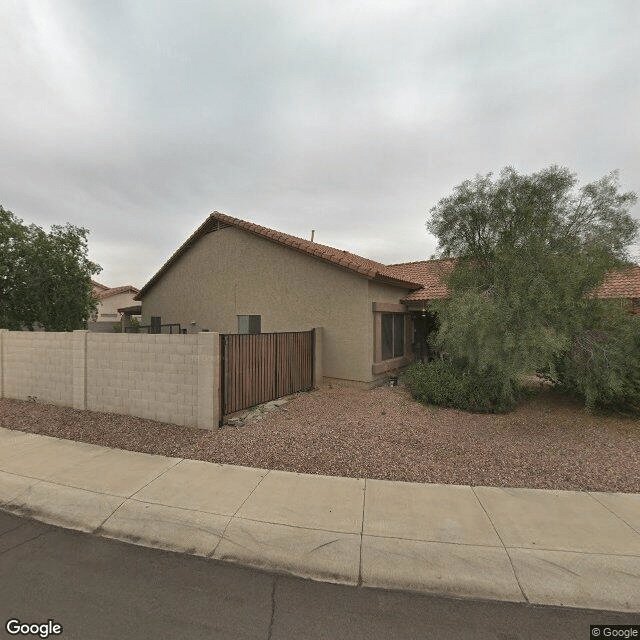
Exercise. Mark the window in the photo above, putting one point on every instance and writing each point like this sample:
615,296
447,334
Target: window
249,324
392,335
391,326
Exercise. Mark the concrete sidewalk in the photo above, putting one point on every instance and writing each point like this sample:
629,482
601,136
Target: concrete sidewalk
563,548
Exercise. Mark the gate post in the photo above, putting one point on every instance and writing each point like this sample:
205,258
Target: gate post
317,357
208,410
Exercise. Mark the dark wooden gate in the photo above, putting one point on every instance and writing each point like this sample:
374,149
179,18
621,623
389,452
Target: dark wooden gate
256,368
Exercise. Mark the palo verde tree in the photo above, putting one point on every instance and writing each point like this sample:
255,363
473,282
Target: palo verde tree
45,277
529,249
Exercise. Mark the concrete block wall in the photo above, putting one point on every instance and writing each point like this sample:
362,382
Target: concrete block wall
170,378
151,376
37,364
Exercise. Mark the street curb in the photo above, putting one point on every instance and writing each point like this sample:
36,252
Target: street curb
489,571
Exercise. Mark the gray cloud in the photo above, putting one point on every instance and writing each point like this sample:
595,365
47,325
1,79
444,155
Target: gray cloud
138,118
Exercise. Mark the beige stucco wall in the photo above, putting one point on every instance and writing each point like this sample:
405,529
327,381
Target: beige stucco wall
37,364
380,292
231,272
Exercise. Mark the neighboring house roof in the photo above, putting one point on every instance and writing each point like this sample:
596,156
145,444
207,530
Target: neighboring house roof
345,259
616,284
99,286
620,284
116,290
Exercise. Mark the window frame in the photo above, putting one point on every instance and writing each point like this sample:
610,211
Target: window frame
393,361
251,324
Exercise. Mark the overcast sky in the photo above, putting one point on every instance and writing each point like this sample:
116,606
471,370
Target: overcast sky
137,118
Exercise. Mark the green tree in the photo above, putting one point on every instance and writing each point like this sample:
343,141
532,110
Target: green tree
529,249
45,277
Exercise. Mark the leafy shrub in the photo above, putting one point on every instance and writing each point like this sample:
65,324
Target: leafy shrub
602,367
495,333
134,325
455,384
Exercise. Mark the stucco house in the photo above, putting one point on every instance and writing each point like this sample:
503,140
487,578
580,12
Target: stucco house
233,276
110,301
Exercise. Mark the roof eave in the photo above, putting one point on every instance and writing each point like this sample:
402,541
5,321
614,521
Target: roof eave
132,309
405,284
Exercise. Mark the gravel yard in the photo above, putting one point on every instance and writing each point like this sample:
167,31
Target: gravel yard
548,443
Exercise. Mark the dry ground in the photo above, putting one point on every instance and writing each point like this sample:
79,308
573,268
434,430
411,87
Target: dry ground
548,442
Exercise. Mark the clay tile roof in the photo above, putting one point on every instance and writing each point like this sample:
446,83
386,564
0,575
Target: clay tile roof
358,264
429,274
617,284
116,290
621,284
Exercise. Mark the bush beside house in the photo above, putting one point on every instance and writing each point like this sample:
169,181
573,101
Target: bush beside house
447,383
602,364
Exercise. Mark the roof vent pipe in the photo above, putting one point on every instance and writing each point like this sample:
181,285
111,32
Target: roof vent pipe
313,233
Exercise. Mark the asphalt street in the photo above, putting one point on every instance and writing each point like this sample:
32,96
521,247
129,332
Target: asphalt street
97,588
